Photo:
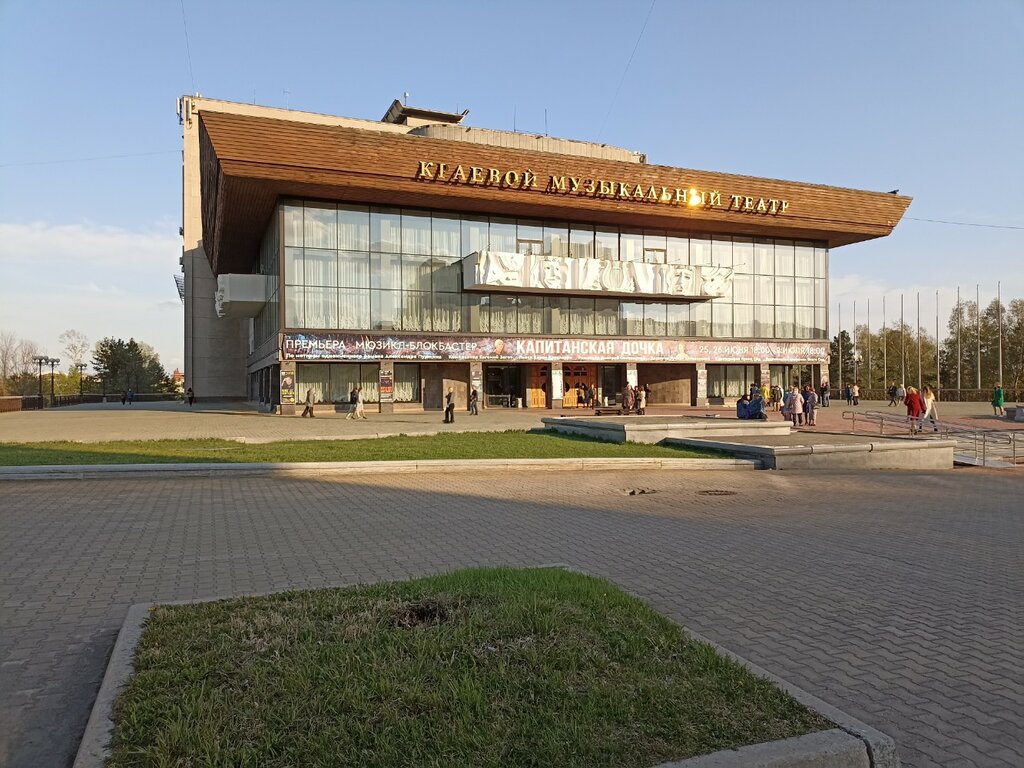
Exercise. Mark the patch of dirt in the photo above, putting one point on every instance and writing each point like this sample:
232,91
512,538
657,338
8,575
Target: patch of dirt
417,613
716,492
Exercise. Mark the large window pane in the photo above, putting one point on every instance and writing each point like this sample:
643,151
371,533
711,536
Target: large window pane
294,266
476,312
416,272
820,323
821,262
606,317
764,322
655,319
446,236
581,314
354,309
785,291
804,327
385,311
804,259
743,320
742,289
631,246
447,312
531,314
721,252
321,308
385,230
820,293
321,267
529,237
474,236
581,241
385,271
805,291
415,232
446,274
416,311
503,313
784,320
631,318
784,258
743,255
557,309
315,377
678,250
320,226
764,289
556,239
678,321
700,251
607,244
721,319
656,239
764,257
294,300
353,227
344,378
407,382
353,270
503,235
293,225
700,315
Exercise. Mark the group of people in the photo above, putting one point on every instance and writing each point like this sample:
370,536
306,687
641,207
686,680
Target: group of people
798,406
920,406
635,399
897,394
586,395
127,396
851,392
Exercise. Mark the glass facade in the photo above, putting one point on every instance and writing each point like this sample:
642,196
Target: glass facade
360,268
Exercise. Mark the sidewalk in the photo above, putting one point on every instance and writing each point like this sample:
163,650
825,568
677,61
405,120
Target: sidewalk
240,421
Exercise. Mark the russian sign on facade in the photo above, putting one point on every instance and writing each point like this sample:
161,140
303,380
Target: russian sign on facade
316,346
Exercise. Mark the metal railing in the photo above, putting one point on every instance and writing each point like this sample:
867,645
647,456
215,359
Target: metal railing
987,447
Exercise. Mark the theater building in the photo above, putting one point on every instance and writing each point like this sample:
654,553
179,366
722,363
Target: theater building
415,253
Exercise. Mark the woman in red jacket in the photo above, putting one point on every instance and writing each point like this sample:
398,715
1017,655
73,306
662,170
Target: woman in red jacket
915,407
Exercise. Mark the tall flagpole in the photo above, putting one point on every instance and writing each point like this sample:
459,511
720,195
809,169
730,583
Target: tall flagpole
920,375
839,341
959,356
885,347
869,344
977,301
938,373
856,346
999,307
903,346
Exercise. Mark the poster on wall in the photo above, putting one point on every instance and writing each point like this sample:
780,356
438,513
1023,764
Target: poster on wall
386,382
287,388
321,346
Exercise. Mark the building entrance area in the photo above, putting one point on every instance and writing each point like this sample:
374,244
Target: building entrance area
577,379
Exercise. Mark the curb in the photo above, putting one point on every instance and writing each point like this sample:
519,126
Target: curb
349,468
852,744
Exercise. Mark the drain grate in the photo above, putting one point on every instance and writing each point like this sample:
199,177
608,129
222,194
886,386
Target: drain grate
716,492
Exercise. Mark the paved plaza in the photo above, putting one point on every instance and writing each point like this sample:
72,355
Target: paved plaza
893,596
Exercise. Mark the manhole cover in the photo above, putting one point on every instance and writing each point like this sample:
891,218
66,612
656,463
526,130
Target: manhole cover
716,492
637,491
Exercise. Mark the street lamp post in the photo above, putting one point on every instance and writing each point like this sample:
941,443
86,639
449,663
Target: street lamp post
857,358
40,360
81,373
53,362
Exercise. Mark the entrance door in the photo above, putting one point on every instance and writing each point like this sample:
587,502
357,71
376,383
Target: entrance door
612,378
537,381
577,378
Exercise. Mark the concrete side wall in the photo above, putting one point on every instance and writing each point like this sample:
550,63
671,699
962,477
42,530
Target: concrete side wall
437,379
670,384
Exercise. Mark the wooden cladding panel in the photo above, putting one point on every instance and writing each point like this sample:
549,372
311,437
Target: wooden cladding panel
347,164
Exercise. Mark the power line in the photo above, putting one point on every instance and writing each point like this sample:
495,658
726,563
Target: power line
188,51
623,78
964,223
87,159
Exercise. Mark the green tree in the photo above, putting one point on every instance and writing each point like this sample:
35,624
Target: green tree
130,364
840,358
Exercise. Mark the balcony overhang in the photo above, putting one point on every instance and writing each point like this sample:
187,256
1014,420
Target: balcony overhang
241,295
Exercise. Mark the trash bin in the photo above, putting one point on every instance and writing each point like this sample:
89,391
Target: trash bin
605,401
519,402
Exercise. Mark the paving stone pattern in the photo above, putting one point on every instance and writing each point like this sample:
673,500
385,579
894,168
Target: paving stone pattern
893,596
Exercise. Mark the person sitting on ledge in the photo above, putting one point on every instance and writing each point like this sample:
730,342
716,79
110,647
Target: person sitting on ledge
756,409
743,407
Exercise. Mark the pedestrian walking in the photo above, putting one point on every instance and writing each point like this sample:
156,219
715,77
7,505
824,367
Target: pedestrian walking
810,407
190,396
308,402
998,400
628,399
131,395
848,394
474,398
449,406
856,394
124,396
824,393
893,389
901,394
358,405
793,405
915,407
930,411
641,401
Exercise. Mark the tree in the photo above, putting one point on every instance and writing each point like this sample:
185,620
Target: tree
75,345
9,344
840,349
129,364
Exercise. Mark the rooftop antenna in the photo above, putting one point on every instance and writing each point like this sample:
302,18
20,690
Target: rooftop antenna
405,99
545,121
287,99
513,118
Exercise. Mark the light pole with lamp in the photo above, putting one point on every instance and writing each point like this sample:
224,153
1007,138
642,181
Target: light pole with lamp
857,358
81,373
53,362
40,360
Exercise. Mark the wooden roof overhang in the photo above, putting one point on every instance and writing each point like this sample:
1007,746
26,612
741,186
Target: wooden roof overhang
248,163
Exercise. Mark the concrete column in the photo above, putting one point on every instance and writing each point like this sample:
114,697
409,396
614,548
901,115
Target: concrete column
476,381
386,387
287,388
556,385
764,374
702,385
631,375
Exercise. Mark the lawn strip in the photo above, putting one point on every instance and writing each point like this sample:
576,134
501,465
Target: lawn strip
485,667
455,447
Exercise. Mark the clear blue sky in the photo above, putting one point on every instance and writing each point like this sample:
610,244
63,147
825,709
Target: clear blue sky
921,96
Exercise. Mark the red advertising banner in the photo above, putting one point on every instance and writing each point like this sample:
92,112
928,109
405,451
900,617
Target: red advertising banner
349,346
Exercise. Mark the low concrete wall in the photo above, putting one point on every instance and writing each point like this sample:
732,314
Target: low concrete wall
639,429
879,454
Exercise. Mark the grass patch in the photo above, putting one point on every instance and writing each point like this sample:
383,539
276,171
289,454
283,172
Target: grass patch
483,667
537,444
